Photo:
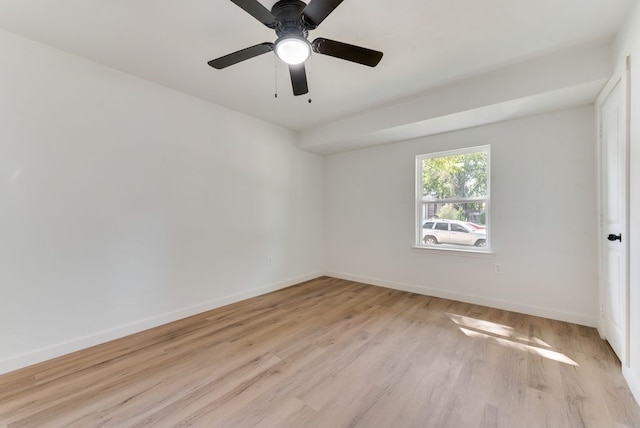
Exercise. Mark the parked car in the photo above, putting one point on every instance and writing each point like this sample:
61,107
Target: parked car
456,232
475,225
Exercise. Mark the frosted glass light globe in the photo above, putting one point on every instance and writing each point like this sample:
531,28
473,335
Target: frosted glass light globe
293,50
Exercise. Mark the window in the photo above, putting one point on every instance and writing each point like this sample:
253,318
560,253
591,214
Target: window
458,228
452,200
442,226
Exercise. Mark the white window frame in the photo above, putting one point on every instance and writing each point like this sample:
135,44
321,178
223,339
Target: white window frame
421,200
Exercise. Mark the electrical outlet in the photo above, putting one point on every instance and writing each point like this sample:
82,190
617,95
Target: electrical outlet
268,260
497,268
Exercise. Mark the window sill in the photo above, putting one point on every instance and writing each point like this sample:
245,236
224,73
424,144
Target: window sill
455,251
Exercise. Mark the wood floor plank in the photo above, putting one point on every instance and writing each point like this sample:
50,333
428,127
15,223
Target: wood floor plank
332,353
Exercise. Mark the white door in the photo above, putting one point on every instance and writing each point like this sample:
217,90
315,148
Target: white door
613,131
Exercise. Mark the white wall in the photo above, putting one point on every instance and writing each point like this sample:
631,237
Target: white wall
124,205
543,218
628,43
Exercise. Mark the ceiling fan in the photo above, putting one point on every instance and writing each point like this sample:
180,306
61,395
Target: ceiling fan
292,20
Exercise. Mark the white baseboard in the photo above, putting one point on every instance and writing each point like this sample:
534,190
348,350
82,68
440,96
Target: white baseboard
468,298
633,380
27,359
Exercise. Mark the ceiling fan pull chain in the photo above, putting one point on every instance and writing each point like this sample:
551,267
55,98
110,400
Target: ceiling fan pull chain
275,73
309,72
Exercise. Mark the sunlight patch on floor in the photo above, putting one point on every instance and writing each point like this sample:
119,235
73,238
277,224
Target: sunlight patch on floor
505,336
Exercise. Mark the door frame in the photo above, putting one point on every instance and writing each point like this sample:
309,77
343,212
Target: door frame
622,76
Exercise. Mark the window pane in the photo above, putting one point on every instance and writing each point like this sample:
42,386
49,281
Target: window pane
455,177
470,212
454,225
442,226
452,199
458,228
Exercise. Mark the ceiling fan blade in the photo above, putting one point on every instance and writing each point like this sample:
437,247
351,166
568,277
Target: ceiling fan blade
298,79
241,55
317,10
347,52
258,11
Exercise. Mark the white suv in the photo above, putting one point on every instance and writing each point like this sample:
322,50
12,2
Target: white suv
452,232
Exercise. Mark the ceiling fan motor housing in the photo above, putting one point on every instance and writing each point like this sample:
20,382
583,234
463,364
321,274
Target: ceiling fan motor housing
290,21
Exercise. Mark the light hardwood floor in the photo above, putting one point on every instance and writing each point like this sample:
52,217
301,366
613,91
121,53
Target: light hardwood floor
333,353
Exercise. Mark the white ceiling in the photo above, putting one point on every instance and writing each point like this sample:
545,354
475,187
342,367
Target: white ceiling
426,43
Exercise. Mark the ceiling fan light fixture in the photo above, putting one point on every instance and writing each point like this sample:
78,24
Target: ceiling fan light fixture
293,50
292,20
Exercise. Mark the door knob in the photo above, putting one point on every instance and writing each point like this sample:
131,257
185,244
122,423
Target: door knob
613,237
